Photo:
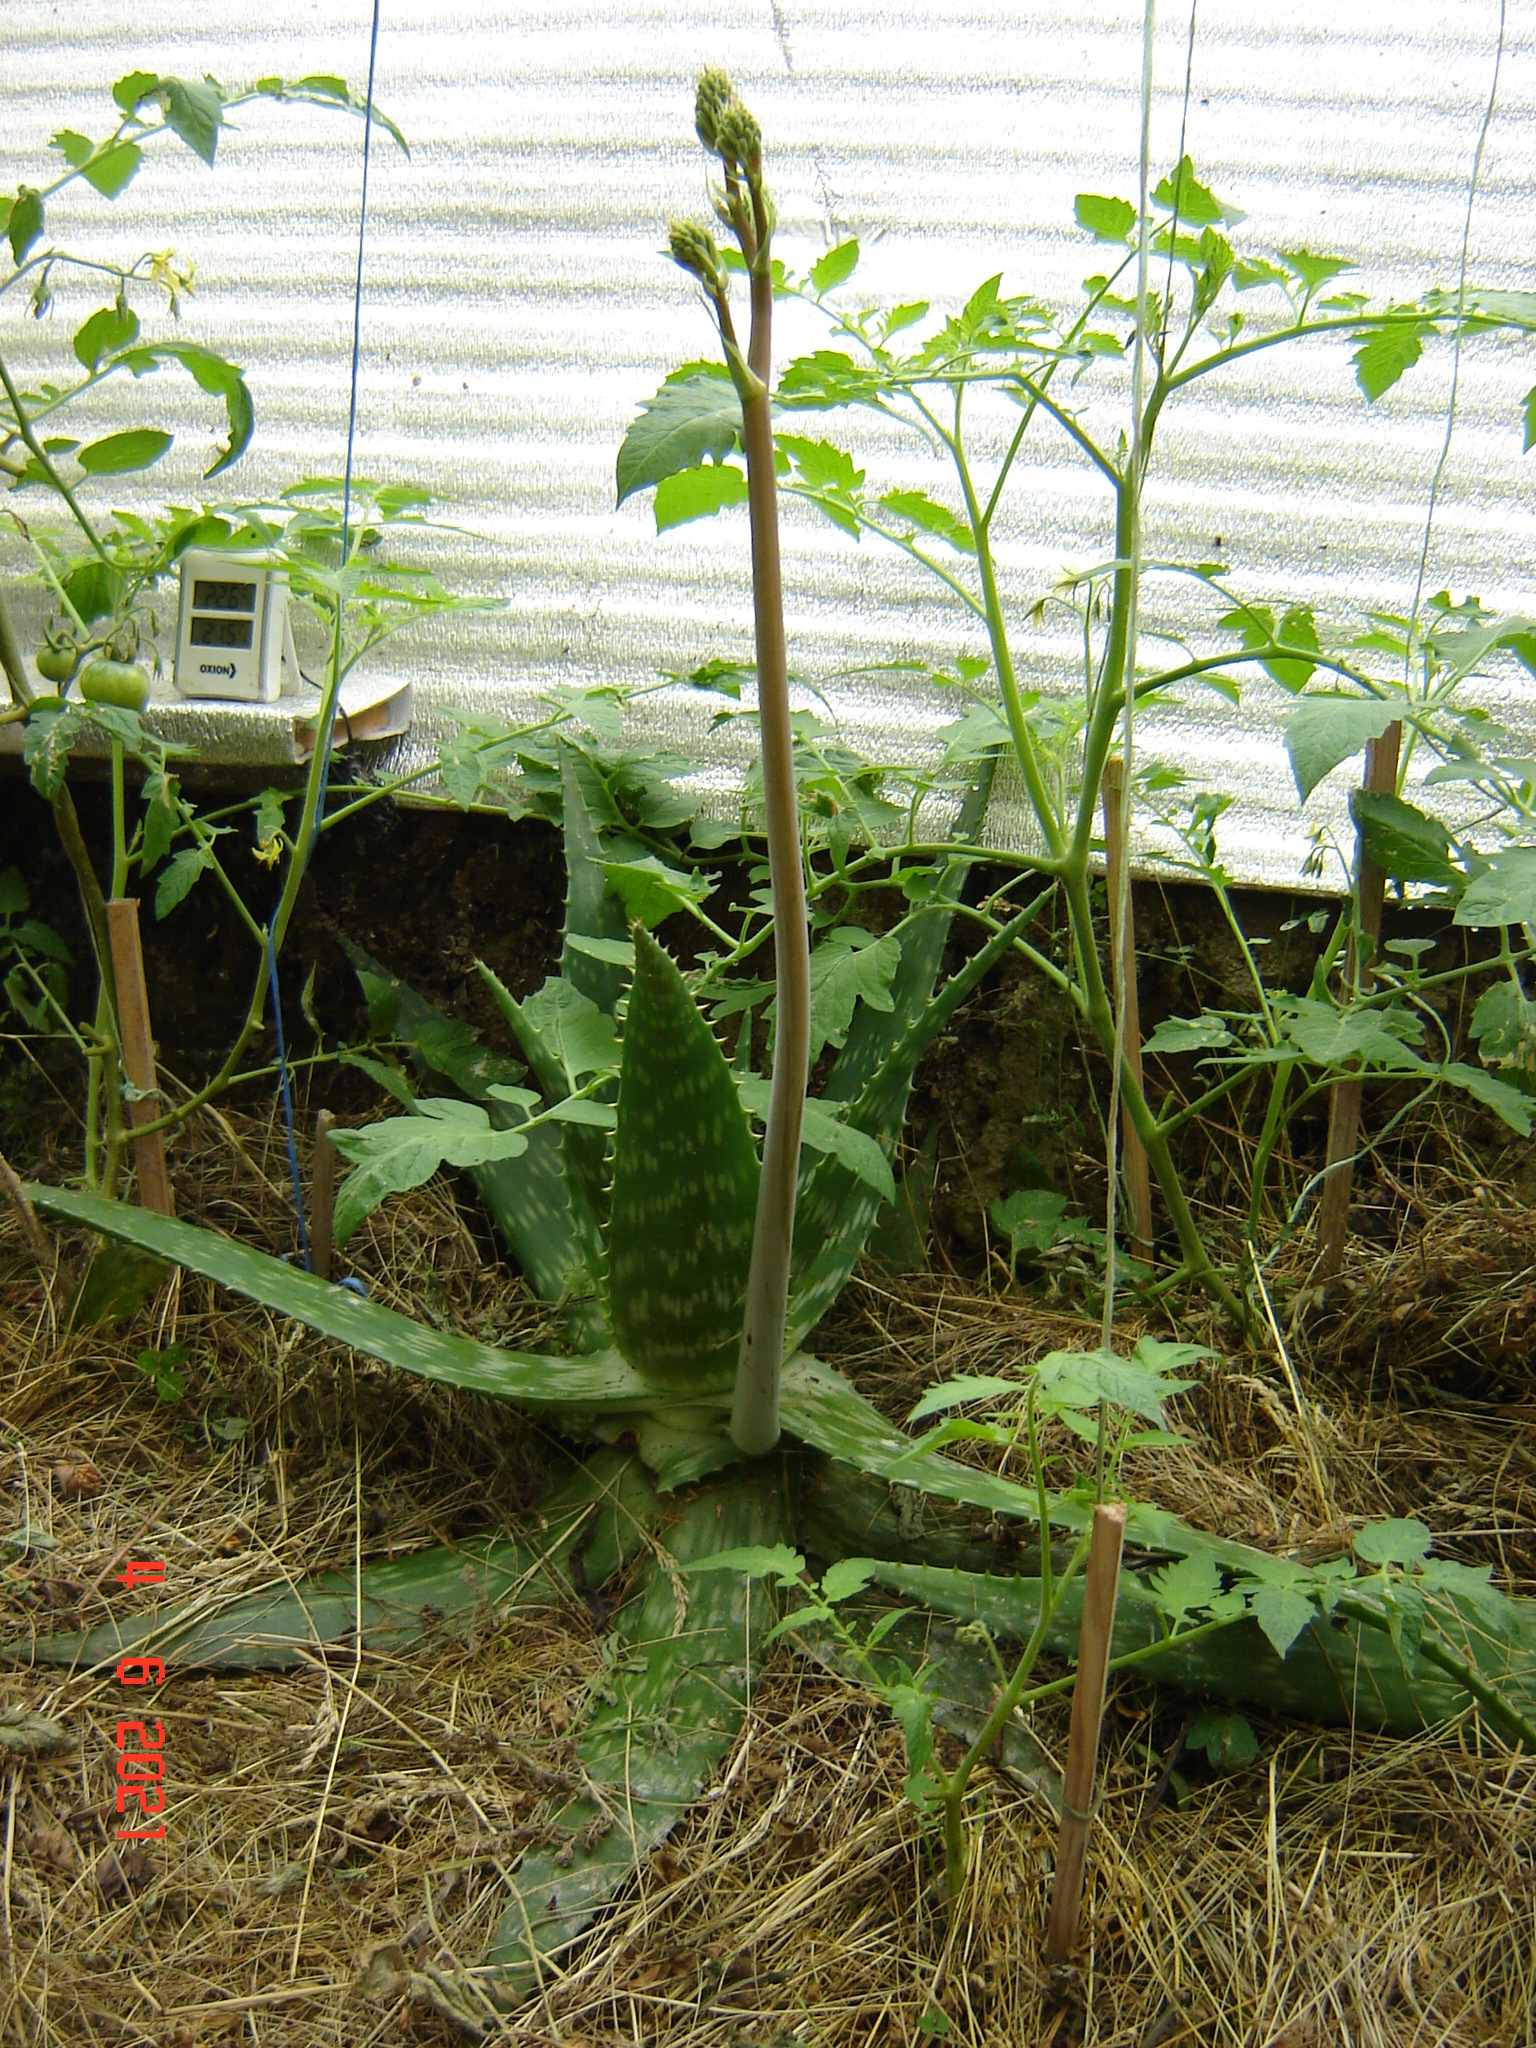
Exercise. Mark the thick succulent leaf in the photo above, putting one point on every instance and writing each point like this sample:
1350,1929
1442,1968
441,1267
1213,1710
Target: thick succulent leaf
818,1406
1335,1671
874,1034
529,1201
598,1383
678,1445
590,911
586,1532
840,1512
684,1189
836,1209
558,1206
437,1043
678,1672
526,1197
837,1206
960,1677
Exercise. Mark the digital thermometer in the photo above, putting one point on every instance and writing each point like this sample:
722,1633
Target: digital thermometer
233,631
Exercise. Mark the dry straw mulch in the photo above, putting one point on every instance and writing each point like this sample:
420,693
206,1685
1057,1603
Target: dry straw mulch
336,1843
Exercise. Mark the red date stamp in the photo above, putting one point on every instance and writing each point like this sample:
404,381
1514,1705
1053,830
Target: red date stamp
140,1754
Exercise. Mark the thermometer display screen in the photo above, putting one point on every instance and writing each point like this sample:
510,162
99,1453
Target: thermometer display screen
222,597
221,632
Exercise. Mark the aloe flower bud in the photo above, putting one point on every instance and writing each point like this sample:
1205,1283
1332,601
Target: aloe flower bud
714,96
692,248
741,139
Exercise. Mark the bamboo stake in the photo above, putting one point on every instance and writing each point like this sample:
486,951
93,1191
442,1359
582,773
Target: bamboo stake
322,1195
138,1051
1101,1587
1133,1153
1344,1102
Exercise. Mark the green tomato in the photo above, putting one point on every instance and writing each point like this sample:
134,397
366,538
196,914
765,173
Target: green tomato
115,682
57,664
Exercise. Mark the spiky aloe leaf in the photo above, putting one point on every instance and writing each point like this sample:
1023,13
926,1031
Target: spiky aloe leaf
684,1189
960,1677
592,1525
874,1034
677,1666
526,1198
597,1383
590,912
818,1406
840,1512
836,1209
1335,1672
438,1044
566,1037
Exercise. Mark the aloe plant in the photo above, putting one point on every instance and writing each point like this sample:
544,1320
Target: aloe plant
620,1168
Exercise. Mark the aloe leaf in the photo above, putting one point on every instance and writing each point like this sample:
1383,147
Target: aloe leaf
590,912
836,1208
840,1512
678,1445
677,1666
565,1034
586,1532
438,1043
684,1189
960,1678
818,1406
1335,1672
874,1034
526,1198
596,1383
552,1206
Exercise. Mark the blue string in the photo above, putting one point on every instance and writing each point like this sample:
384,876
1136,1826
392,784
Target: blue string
327,732
287,1092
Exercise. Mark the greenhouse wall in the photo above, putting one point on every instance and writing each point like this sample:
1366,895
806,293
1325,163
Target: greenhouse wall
518,307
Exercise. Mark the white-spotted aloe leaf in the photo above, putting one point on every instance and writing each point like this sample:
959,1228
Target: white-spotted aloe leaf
684,1189
567,1038
588,1530
437,1043
837,1207
1335,1672
598,1382
874,1034
590,911
570,1175
526,1197
957,1674
679,1678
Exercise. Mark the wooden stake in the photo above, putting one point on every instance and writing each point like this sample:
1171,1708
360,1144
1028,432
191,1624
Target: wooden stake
1101,1587
138,1051
1344,1102
1133,1153
322,1195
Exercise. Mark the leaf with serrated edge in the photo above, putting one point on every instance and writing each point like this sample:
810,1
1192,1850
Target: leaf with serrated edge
684,1188
1326,729
677,1702
600,1516
695,414
600,1381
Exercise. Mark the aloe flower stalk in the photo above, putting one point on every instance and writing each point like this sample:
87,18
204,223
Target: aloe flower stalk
729,132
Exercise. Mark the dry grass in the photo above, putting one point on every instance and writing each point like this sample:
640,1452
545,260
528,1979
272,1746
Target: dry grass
1339,1890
